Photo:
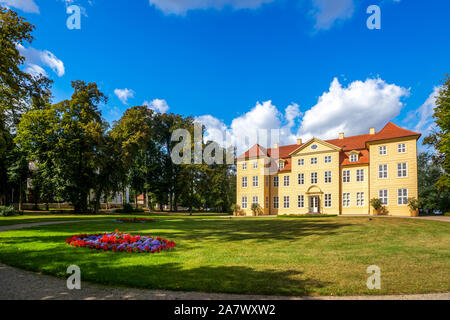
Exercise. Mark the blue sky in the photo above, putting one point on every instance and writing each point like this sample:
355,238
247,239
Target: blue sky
310,67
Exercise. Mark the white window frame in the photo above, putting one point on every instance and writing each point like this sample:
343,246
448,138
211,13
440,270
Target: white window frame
382,173
255,200
276,202
401,148
244,182
402,172
286,181
383,195
360,175
301,162
328,175
328,159
354,158
382,150
346,200
281,164
276,182
328,200
301,201
255,164
314,160
360,199
255,181
244,203
314,178
402,199
301,178
286,202
244,166
346,176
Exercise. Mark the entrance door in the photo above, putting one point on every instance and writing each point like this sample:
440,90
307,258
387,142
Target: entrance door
314,204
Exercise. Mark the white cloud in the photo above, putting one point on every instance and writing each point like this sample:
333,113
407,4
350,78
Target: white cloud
180,7
354,109
35,70
158,105
255,124
42,58
24,5
124,94
328,12
424,114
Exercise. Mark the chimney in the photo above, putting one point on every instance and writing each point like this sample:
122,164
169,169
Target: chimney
299,142
275,146
372,131
341,136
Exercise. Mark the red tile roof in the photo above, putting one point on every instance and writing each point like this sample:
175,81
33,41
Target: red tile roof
390,131
363,158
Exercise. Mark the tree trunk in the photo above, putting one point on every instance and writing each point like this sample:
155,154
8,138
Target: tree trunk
20,195
145,199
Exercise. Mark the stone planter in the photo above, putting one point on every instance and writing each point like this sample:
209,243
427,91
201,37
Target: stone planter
376,212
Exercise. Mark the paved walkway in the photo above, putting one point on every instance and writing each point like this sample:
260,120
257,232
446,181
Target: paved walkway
18,284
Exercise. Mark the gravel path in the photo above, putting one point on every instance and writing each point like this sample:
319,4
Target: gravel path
18,284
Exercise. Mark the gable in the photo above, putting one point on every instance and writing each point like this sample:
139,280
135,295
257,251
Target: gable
315,146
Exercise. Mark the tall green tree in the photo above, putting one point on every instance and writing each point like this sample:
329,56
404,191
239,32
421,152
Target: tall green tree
440,138
66,139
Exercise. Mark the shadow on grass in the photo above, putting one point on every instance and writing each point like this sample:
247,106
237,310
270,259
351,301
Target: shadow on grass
212,228
127,271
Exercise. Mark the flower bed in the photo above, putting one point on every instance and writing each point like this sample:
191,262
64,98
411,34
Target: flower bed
121,242
134,220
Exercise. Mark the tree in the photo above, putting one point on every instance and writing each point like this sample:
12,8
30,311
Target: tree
431,198
440,138
66,139
19,91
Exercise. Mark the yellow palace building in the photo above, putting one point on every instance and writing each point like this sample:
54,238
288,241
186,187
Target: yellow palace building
337,176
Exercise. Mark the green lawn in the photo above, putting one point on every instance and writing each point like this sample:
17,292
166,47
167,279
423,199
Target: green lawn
286,256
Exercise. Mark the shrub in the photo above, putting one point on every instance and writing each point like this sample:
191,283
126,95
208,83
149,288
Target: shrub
6,211
413,204
127,208
376,203
257,210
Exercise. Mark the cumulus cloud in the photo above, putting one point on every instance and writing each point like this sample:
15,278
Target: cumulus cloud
263,124
327,12
180,7
352,109
158,105
42,58
24,5
124,94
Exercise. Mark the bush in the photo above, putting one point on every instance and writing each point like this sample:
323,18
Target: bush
376,203
127,208
6,211
257,210
413,204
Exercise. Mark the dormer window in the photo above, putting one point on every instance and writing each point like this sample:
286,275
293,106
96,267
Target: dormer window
281,164
354,158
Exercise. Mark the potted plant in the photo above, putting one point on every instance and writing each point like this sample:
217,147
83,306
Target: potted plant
256,210
413,205
377,205
236,209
